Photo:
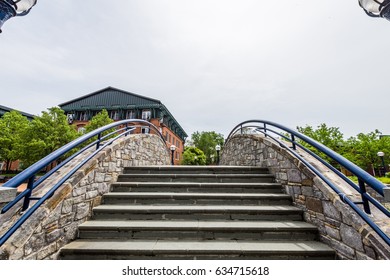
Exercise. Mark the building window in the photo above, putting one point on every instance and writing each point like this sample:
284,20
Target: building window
145,130
169,138
70,118
83,116
81,130
177,144
146,115
130,114
114,115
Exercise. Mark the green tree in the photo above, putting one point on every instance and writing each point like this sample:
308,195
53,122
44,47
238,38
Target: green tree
206,141
99,120
193,156
363,149
12,127
45,134
331,137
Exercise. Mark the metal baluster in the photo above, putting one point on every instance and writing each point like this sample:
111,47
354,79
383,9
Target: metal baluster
363,190
26,202
98,142
293,142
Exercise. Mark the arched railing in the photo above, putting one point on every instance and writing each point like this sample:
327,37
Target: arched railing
285,137
105,136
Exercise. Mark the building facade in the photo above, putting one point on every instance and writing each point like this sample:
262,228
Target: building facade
122,105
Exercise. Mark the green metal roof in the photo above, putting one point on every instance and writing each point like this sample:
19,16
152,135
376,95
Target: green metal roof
108,98
113,99
4,110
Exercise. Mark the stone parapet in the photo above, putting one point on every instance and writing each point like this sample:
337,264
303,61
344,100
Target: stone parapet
6,195
55,223
339,225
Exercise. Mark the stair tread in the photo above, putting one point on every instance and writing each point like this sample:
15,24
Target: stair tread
196,195
198,167
202,247
191,175
198,184
198,208
184,168
198,225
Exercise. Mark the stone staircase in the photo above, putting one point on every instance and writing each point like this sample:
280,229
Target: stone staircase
185,212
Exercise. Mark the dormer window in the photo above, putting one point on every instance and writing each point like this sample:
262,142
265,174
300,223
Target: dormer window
114,115
130,114
83,116
146,115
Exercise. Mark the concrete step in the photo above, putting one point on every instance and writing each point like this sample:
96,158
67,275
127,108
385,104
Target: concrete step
195,170
179,249
187,212
200,230
174,198
196,187
196,212
209,178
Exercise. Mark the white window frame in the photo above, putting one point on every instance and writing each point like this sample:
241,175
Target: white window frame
146,114
114,115
145,130
130,114
81,130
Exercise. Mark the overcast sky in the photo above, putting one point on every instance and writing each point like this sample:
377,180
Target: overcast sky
213,63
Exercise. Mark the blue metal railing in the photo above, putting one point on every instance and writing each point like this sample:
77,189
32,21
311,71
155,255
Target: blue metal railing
268,129
124,128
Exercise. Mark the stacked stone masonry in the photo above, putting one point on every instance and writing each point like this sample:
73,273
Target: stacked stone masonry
339,226
55,223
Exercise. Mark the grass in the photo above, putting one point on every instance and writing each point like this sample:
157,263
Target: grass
384,180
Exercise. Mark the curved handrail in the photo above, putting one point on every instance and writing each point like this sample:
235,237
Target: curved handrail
363,177
29,173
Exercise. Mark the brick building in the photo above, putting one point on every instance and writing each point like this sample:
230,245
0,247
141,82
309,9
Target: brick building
122,105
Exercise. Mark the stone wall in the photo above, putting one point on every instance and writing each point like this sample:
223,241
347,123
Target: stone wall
339,226
55,223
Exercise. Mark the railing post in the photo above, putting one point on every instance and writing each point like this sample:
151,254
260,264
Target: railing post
172,157
293,142
30,184
363,190
265,130
127,129
98,142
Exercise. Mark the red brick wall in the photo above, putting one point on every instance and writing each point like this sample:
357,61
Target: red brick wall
170,137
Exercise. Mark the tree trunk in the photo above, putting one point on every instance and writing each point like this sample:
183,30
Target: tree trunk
7,166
